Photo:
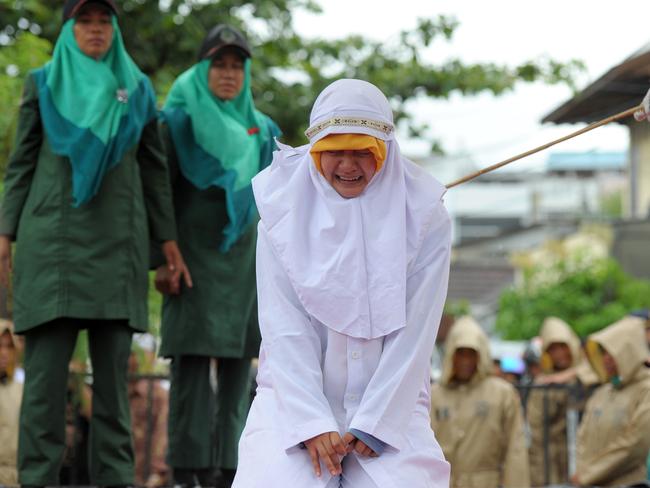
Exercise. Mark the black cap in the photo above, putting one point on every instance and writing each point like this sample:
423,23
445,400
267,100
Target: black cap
72,7
222,36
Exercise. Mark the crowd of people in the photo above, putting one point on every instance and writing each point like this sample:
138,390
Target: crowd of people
493,436
328,261
493,432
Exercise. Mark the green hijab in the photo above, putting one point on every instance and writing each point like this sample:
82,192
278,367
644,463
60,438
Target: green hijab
220,143
93,111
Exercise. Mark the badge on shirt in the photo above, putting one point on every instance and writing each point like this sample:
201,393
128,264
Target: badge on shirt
442,413
122,95
482,409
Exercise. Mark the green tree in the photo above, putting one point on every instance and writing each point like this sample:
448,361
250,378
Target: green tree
26,52
289,70
611,204
588,298
457,308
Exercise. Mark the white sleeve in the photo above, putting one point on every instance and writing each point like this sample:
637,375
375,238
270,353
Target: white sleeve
391,394
293,352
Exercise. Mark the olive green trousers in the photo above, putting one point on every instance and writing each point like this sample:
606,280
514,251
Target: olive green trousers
204,426
41,443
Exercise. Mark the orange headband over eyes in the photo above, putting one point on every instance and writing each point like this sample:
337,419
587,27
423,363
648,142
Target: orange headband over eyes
349,142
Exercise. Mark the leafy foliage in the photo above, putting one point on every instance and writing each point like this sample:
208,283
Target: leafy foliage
588,298
611,204
27,51
163,36
154,304
289,70
457,308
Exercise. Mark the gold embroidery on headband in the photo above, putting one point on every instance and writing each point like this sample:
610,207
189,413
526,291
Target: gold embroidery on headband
349,121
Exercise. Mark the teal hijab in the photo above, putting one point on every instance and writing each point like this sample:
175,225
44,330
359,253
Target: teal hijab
93,111
220,143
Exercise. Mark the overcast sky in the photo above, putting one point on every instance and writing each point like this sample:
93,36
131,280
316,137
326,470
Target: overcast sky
600,33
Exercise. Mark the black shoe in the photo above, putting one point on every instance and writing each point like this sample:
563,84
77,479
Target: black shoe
208,477
185,478
228,477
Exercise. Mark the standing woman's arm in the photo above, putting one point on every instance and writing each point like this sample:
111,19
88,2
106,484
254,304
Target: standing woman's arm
172,157
20,171
157,258
155,184
158,201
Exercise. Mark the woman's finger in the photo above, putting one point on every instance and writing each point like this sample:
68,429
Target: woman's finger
313,454
333,455
187,277
170,258
362,449
327,454
172,255
338,444
348,439
162,280
163,287
173,282
359,447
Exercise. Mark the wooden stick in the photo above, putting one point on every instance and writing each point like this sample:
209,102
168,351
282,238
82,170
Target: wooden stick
618,116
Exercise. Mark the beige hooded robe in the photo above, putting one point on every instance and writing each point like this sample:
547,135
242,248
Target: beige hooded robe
478,424
553,330
614,436
10,397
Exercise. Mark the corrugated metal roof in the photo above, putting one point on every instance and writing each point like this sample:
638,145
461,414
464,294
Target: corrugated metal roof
587,161
479,283
622,87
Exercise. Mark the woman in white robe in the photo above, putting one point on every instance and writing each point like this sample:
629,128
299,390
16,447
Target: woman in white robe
351,289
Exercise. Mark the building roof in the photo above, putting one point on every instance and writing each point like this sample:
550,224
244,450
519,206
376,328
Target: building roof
479,283
587,161
622,87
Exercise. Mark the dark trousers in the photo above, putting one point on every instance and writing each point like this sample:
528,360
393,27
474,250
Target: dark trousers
48,350
204,426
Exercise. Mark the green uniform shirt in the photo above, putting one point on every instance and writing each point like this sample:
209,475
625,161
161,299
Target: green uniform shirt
89,262
218,316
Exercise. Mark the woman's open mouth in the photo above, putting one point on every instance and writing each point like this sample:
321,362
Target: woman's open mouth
349,179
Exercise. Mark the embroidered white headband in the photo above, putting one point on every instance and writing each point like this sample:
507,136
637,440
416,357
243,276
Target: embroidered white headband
384,127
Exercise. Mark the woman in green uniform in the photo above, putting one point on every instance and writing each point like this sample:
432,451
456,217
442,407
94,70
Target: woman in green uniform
217,141
85,190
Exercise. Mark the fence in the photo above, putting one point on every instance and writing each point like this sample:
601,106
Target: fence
576,397
75,464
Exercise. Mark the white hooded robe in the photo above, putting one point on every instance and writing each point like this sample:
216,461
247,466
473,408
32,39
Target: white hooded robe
350,294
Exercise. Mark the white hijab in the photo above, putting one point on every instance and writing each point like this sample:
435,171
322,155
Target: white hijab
348,259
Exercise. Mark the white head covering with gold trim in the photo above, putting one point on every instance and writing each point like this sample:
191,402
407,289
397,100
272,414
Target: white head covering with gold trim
348,259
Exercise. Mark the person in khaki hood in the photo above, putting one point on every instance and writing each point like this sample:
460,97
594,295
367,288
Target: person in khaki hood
614,436
11,393
560,361
477,417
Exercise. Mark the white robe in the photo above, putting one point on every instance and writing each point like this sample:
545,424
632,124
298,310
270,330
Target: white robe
313,379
